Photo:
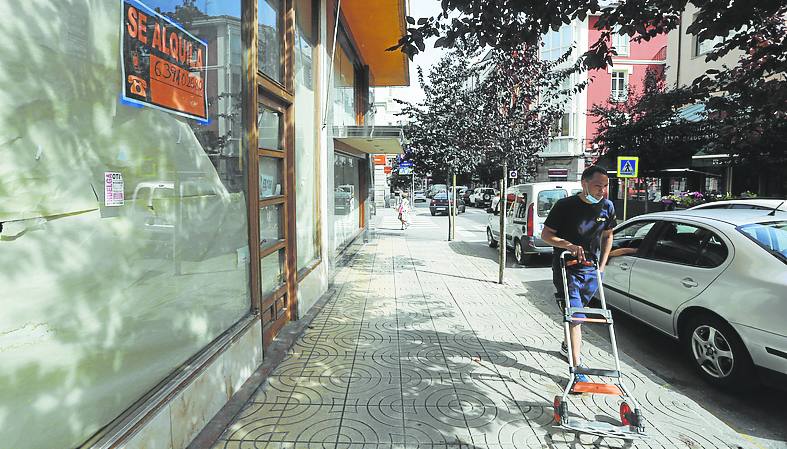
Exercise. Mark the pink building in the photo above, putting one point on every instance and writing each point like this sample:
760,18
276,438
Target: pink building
572,147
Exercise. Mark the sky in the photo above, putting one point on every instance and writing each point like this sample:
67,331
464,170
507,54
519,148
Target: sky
418,9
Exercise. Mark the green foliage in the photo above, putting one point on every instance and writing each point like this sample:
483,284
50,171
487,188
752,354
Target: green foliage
746,105
481,113
648,124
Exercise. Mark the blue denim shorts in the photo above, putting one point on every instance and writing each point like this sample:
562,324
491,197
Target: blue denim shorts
582,285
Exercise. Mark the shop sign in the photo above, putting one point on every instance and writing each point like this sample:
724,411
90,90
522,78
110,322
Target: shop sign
379,159
387,169
113,189
163,65
405,170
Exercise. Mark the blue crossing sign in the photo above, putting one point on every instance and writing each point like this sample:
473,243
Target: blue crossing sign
628,166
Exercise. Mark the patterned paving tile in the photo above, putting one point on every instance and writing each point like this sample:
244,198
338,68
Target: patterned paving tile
407,358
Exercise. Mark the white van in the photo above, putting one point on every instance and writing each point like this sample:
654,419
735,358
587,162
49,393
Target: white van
528,207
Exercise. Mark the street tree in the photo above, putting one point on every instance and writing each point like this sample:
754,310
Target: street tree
746,104
521,97
509,23
649,125
442,131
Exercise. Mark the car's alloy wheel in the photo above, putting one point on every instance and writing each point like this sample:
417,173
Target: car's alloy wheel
712,351
518,254
490,239
719,355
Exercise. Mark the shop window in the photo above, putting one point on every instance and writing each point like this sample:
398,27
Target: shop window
271,225
272,272
120,289
270,177
270,33
306,148
270,127
346,199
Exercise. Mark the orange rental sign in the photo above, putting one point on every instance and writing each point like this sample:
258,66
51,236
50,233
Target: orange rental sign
163,64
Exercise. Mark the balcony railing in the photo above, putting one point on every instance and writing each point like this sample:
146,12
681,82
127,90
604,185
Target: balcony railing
661,55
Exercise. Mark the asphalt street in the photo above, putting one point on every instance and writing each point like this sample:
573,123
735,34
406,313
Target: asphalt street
759,416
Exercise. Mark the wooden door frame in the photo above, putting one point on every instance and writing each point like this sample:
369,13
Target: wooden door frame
280,97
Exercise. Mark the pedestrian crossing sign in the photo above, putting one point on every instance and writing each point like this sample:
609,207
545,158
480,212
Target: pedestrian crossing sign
628,166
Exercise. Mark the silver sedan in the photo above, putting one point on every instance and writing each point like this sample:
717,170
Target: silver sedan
714,279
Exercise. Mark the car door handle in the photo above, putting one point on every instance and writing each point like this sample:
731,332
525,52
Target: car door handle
624,266
688,282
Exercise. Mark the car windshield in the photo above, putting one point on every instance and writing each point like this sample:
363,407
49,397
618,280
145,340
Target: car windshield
547,199
440,196
772,237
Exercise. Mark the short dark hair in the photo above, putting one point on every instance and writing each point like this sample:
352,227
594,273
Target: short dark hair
591,171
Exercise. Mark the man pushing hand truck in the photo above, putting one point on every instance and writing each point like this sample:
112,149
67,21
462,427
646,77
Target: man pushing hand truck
580,228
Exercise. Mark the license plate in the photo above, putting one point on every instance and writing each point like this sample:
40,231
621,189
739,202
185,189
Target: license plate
439,208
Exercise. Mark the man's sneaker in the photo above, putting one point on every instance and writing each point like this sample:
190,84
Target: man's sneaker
579,378
564,350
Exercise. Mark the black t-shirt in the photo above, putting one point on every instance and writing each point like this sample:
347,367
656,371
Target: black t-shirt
581,223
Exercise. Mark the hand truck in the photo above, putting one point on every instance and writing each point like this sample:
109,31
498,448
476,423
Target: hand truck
630,415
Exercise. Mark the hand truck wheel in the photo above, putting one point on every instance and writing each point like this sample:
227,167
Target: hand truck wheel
628,416
561,410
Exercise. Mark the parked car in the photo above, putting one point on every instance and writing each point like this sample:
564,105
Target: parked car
752,203
466,195
435,189
439,204
419,196
482,196
525,218
460,190
713,279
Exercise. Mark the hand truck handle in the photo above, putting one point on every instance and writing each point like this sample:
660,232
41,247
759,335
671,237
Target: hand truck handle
568,260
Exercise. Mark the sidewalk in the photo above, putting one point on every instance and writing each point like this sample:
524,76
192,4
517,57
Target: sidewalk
419,347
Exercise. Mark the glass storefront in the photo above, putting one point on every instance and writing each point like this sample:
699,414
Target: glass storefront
346,198
306,128
124,245
269,56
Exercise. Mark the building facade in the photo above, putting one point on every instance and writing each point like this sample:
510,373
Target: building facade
178,180
571,148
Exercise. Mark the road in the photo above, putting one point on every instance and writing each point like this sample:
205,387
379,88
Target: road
760,416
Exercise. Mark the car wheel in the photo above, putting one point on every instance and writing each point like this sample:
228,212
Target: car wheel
518,253
433,213
717,353
490,239
462,209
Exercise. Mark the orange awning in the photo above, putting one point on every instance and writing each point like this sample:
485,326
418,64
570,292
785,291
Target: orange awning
376,25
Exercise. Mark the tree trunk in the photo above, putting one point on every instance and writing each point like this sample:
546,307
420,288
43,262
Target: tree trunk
456,212
447,183
502,240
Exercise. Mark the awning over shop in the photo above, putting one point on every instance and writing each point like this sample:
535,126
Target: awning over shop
375,26
371,139
705,160
687,171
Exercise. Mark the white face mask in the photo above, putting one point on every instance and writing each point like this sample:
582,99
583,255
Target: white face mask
591,199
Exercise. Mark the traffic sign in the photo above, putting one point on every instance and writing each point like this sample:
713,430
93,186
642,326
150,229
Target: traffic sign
628,166
406,164
405,170
513,174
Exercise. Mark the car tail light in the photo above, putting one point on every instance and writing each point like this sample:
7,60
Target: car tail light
530,220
